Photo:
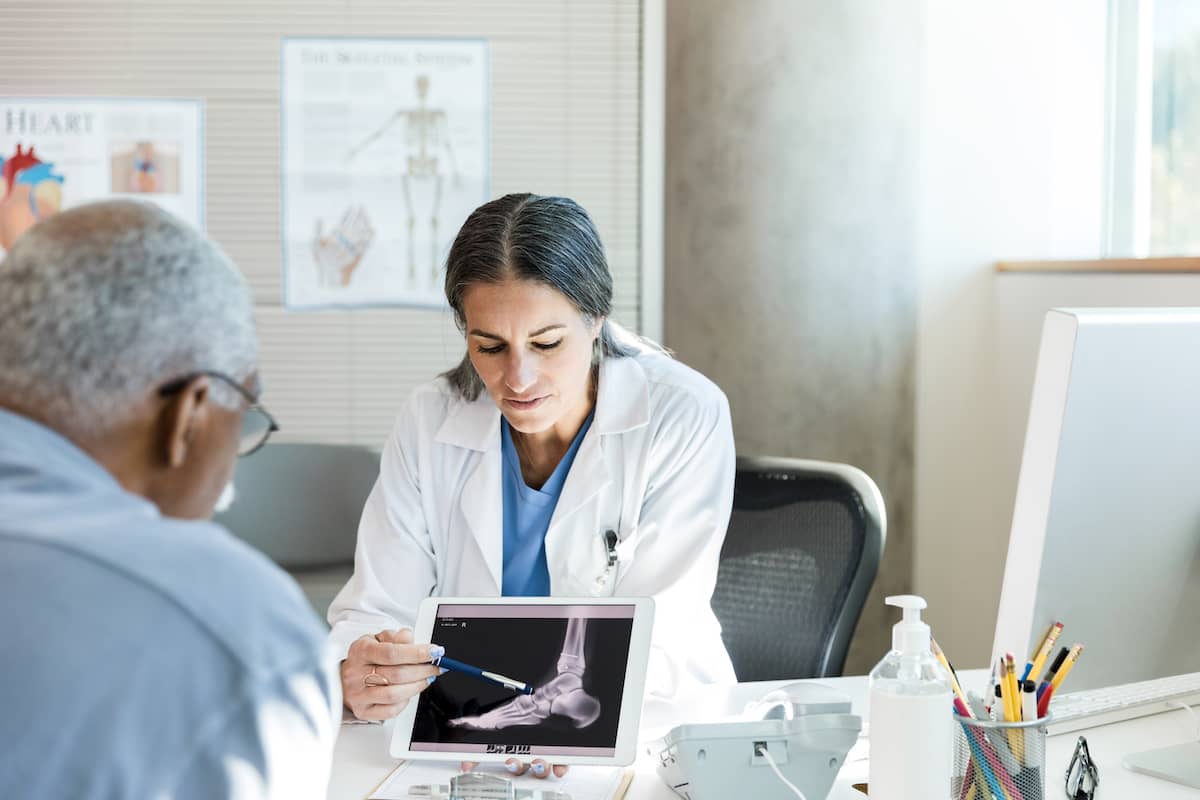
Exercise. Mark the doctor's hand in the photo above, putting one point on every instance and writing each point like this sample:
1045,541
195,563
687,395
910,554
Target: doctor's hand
383,672
538,768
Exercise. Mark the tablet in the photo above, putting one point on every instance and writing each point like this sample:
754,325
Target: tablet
564,680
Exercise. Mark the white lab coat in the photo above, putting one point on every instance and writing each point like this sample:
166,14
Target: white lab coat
656,466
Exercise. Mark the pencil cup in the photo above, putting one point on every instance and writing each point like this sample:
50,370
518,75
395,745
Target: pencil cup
999,760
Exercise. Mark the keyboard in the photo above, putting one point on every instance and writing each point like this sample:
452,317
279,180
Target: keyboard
1076,711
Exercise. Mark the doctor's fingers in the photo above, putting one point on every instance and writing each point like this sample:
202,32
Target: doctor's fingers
538,768
382,702
379,713
391,695
517,767
367,650
398,636
409,673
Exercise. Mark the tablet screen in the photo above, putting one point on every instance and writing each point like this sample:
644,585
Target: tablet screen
574,657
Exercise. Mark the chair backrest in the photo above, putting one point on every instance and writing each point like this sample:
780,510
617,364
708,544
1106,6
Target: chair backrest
801,553
300,503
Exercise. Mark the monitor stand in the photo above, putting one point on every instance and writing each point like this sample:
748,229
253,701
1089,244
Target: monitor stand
1178,764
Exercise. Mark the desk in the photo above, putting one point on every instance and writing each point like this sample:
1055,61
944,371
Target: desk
361,761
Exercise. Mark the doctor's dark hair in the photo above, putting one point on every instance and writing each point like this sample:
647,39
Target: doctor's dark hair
550,240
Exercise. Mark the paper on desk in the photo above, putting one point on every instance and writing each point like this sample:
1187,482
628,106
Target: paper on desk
582,783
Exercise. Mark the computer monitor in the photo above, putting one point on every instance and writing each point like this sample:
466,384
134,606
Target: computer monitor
1106,525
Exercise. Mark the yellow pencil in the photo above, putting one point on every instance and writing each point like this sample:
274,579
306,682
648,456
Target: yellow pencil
1043,652
1013,707
941,657
1014,699
1061,675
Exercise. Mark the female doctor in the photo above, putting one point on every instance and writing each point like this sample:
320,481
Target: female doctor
562,456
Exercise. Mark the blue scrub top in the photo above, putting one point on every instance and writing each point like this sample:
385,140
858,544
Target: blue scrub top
527,514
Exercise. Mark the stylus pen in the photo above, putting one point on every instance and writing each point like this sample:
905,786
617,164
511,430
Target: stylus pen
483,674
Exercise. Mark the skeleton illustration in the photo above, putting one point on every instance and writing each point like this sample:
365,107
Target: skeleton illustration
426,132
562,695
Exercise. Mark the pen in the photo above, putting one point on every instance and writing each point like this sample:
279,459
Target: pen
1028,701
482,674
1044,702
1030,713
1061,675
1058,660
1054,679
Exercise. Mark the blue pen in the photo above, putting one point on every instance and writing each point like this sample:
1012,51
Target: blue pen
482,674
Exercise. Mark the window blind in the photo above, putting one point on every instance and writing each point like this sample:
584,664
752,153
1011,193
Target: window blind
565,106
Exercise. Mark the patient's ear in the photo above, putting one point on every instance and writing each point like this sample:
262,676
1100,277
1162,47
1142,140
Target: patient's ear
183,418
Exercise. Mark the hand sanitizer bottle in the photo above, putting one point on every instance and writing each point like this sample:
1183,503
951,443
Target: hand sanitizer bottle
911,723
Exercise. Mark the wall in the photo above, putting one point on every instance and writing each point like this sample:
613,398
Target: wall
565,119
1012,132
791,277
1021,303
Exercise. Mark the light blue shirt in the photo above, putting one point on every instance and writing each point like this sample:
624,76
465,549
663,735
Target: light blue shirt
142,656
527,514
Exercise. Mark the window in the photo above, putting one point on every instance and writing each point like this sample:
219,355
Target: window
1153,137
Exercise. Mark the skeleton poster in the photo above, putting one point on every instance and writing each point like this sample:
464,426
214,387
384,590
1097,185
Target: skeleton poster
385,153
59,152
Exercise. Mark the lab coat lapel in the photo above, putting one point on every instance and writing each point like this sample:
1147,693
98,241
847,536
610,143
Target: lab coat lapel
587,477
481,506
622,403
476,425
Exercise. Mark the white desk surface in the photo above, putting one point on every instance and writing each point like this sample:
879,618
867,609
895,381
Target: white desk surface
361,760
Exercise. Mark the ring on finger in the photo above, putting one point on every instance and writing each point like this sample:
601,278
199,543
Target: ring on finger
373,678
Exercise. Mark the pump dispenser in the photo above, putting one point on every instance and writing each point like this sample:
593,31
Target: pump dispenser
911,634
911,730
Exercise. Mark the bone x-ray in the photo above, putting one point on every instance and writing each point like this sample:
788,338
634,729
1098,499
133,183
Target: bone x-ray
574,657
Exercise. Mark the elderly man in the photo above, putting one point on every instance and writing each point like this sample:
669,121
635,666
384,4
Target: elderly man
145,652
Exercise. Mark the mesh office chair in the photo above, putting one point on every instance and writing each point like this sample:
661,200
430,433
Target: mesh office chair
801,553
300,505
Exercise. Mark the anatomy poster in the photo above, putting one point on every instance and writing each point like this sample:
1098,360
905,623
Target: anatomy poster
385,153
59,152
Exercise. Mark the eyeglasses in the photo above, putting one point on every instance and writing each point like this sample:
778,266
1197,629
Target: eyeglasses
1083,776
257,422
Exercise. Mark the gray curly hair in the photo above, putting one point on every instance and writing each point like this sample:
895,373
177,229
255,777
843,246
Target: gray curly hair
102,303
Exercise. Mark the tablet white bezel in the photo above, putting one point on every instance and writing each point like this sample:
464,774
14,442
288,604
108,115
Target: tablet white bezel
631,699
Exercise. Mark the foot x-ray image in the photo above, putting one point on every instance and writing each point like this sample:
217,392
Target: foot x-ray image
576,666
